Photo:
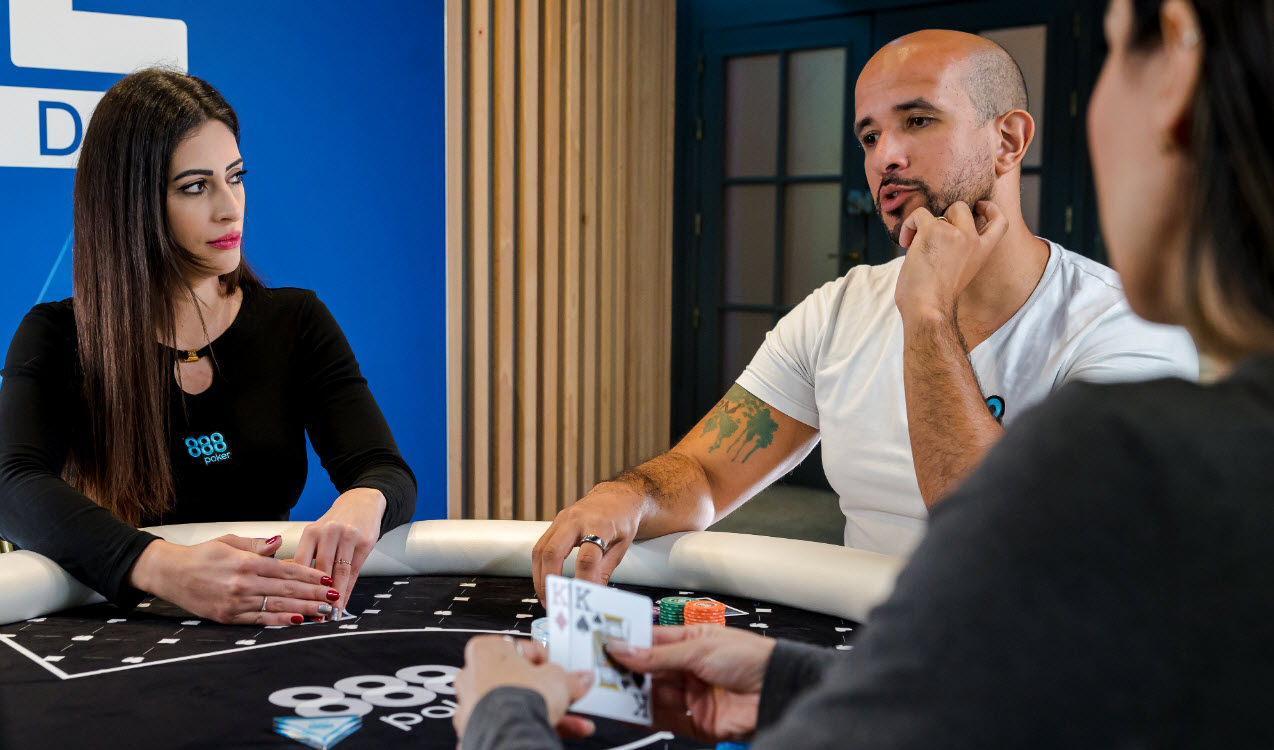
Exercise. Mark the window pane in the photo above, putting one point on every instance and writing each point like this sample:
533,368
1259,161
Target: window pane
815,111
749,244
1031,201
1027,45
811,238
742,334
751,115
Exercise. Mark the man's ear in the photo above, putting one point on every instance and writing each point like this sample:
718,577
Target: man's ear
1016,131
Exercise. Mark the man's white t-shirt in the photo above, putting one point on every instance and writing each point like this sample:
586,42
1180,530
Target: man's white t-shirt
835,363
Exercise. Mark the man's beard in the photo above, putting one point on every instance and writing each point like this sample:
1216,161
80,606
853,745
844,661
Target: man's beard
971,189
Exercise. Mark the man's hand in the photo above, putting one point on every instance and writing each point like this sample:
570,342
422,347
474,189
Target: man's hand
706,679
612,511
492,661
943,256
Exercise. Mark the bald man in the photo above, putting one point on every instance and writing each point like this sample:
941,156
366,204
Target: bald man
908,370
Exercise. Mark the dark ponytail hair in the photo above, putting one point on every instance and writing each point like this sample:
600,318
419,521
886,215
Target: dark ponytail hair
1232,153
127,271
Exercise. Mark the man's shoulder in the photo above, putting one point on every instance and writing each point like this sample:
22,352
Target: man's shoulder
862,285
1079,273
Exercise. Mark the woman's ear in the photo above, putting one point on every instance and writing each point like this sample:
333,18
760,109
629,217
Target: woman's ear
1016,131
1177,74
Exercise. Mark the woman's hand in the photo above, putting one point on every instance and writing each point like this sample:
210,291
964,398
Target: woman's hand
341,540
492,661
706,679
231,578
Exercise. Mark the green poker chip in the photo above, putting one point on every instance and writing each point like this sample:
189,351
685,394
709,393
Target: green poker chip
672,609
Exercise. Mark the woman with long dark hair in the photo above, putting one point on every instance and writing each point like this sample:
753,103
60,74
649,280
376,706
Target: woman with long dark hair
1104,580
174,387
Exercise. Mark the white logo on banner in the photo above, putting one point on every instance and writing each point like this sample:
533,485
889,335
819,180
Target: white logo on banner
44,127
49,34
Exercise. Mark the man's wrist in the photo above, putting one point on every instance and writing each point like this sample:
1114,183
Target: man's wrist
927,316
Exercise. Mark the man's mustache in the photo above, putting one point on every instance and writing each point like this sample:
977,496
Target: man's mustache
908,184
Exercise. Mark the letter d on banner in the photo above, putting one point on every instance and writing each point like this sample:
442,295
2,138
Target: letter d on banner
45,148
44,127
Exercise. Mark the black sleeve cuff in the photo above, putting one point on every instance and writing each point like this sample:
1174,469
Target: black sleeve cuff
117,590
510,718
398,485
793,669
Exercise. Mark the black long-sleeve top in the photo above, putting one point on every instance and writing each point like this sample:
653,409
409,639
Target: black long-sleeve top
1103,580
281,370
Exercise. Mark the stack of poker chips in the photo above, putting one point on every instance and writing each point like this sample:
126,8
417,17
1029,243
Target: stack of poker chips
704,611
670,609
540,631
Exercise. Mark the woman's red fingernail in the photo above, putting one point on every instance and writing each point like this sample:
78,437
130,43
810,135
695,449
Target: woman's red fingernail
333,596
274,539
326,581
297,619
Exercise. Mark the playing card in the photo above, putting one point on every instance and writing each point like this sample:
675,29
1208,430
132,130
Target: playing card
582,618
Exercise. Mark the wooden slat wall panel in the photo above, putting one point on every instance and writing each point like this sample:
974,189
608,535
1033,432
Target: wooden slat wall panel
504,190
528,437
559,242
479,253
457,87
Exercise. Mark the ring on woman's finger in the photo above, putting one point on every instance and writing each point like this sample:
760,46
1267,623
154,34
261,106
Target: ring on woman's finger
943,218
264,600
344,562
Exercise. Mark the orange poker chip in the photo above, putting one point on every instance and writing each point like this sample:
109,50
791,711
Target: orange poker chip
705,612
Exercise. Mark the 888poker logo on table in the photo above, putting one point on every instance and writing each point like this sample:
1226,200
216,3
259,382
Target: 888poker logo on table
412,695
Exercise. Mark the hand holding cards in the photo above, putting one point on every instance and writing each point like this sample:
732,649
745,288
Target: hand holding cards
583,617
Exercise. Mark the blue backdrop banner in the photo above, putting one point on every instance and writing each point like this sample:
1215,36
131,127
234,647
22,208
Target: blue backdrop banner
341,106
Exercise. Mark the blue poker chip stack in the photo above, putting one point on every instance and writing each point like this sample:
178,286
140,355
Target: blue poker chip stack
540,631
733,745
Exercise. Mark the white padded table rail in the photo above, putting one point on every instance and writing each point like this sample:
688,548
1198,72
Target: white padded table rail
821,578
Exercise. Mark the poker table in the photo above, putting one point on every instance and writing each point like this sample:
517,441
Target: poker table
77,672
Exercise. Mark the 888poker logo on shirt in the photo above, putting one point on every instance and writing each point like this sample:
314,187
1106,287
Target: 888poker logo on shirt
211,448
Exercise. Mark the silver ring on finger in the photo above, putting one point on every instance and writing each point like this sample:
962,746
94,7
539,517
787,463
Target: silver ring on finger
264,601
594,539
517,643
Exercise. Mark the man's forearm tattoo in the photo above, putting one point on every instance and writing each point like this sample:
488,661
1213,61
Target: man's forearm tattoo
740,408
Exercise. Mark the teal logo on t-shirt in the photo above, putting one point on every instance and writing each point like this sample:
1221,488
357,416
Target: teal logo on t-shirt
211,448
996,405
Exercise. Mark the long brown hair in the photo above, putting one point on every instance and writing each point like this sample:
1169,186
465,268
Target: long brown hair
1232,158
127,270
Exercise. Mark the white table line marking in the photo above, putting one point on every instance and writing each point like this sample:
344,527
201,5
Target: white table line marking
350,634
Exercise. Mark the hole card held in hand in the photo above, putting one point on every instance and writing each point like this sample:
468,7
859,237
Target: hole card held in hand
582,618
